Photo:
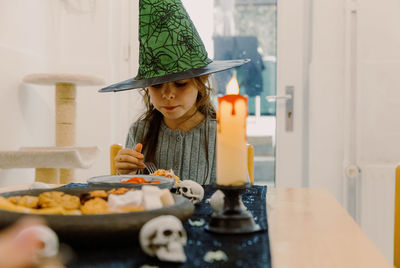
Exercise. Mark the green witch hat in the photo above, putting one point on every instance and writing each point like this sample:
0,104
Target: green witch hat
170,48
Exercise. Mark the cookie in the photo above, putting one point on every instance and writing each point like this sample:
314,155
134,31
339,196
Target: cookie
96,205
58,199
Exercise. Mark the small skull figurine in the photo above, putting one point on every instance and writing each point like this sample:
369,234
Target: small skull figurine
47,236
191,190
217,201
164,237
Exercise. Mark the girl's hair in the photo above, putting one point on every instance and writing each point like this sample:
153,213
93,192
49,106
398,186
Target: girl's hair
203,103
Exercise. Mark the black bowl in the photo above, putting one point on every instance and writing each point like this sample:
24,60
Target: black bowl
98,227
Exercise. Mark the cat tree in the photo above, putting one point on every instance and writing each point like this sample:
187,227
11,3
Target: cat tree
56,164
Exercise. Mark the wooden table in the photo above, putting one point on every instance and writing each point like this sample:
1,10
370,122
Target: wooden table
308,228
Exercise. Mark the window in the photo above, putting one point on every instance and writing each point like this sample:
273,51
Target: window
241,29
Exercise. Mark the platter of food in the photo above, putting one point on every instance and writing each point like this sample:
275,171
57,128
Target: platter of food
131,181
90,213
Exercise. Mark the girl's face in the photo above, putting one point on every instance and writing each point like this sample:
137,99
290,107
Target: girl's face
175,100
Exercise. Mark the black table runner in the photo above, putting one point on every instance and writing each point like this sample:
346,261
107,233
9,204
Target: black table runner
243,250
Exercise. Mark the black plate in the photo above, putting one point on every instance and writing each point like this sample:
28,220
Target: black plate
99,227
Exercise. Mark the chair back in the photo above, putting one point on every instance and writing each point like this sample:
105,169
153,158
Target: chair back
114,149
250,162
397,220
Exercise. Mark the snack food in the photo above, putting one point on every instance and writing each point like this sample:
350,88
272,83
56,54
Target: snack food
169,174
28,201
58,199
121,190
94,202
96,205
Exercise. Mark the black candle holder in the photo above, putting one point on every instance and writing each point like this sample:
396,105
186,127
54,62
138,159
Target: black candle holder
232,219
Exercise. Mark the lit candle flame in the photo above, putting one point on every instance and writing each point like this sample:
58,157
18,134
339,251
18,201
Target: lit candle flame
233,86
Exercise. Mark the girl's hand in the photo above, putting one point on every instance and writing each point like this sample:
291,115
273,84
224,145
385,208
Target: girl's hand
128,161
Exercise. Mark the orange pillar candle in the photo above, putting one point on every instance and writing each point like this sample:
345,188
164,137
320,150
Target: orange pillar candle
232,140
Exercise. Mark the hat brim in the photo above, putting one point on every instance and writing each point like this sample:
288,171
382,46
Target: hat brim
213,67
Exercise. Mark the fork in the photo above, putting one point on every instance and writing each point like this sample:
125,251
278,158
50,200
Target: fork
151,167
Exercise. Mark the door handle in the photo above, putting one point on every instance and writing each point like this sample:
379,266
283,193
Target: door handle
288,97
276,98
352,171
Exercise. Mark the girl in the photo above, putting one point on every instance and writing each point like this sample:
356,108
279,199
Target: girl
183,132
178,131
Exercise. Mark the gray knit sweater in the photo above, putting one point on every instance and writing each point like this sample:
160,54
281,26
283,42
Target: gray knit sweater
183,152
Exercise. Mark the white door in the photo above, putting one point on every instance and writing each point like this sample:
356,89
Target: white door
292,115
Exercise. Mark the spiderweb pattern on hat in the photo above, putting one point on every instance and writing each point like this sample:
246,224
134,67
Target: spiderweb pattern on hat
169,42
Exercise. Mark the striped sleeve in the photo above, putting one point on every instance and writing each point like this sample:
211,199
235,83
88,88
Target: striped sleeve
136,133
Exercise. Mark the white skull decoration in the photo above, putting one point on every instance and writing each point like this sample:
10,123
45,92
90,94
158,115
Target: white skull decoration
47,236
191,190
164,237
217,201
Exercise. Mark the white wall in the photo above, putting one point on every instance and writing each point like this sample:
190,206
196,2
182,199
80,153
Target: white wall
378,122
83,37
24,110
